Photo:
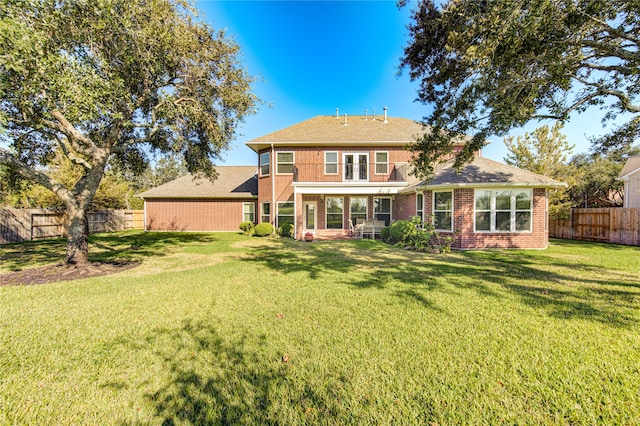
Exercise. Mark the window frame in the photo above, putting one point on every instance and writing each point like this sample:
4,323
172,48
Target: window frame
279,215
513,210
326,212
266,215
386,163
263,164
252,212
332,163
390,213
366,208
435,210
285,163
420,205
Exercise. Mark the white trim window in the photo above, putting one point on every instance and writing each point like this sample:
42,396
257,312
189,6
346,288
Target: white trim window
331,163
248,212
382,162
265,212
265,160
284,163
382,209
285,213
443,210
420,205
334,212
503,210
357,209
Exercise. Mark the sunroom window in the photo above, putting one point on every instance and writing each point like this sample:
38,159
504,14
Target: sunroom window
503,210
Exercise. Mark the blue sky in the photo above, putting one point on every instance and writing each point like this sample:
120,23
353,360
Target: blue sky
311,57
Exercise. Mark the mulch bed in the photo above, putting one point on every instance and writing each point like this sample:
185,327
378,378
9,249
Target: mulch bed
61,272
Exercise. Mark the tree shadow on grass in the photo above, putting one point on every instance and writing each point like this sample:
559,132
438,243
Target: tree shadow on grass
214,377
540,281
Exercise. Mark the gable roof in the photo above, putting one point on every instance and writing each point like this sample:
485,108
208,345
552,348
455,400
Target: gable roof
232,182
482,172
631,166
325,130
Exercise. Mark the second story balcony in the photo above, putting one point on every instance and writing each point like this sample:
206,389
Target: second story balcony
350,173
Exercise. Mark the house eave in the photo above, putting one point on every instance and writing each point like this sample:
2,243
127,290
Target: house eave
259,146
428,187
342,188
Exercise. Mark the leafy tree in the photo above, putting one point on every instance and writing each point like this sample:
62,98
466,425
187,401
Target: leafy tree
595,183
103,82
545,151
488,67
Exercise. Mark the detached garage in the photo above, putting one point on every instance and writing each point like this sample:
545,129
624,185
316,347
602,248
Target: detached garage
197,204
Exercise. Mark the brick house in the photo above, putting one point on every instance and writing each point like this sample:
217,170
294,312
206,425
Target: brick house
328,174
197,204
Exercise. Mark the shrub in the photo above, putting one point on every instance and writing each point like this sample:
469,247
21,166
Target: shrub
401,231
263,229
384,233
285,230
247,227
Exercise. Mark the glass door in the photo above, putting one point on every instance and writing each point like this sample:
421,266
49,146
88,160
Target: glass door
310,216
356,167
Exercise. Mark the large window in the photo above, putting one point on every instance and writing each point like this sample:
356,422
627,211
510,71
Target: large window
331,163
284,163
264,163
248,212
285,213
265,212
382,163
443,210
503,210
358,209
382,210
420,205
335,211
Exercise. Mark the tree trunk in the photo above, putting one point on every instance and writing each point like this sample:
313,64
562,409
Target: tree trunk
78,238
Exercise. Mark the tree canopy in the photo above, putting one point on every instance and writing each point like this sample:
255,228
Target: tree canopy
489,67
107,82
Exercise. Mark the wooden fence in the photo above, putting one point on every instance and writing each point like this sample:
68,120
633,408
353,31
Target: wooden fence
609,225
33,224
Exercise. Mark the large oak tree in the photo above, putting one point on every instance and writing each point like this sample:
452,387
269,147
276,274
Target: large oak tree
487,67
107,82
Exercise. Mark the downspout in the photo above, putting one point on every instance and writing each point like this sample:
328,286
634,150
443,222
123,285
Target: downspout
295,215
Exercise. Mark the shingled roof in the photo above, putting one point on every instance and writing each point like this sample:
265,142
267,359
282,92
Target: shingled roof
232,182
483,172
331,130
632,165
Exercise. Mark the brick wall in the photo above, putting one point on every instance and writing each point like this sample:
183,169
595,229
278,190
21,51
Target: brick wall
195,215
467,238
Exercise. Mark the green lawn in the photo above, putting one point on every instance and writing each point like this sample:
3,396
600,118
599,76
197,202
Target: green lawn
224,328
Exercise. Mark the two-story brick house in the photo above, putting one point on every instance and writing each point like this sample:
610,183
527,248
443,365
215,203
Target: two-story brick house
326,174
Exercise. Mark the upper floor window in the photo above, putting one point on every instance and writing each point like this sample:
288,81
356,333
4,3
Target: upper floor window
443,210
331,163
382,162
264,163
284,163
503,210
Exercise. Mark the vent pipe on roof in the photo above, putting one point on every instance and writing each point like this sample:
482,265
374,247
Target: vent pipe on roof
366,112
385,114
374,115
337,116
345,120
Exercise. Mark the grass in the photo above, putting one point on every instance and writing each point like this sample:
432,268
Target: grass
223,328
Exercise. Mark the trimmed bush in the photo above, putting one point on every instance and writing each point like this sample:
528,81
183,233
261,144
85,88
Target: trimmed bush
401,231
285,230
385,233
247,227
263,229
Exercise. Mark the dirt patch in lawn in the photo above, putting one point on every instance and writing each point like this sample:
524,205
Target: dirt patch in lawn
54,273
